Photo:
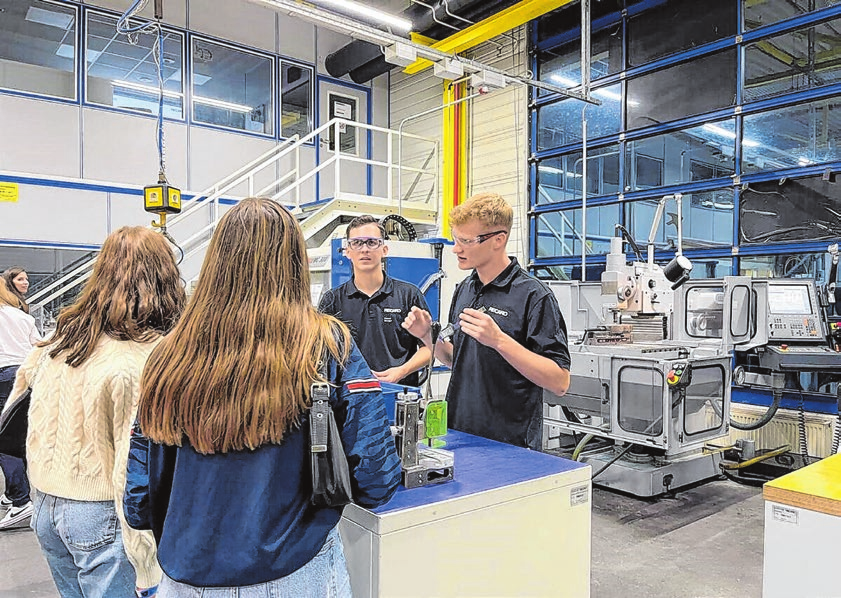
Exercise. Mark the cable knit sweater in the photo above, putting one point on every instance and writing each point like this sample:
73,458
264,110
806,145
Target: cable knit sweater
79,425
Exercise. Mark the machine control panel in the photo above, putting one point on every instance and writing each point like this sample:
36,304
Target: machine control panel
795,327
801,358
680,375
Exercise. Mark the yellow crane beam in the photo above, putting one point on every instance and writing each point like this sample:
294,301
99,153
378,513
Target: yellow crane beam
503,21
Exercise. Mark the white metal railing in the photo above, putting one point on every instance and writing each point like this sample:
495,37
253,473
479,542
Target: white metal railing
287,187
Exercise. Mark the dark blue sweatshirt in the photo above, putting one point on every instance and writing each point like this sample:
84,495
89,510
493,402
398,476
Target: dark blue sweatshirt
244,517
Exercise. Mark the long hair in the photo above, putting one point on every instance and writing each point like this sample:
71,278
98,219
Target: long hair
134,293
6,296
9,276
236,370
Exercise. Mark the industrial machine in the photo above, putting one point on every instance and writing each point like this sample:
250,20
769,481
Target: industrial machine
649,373
652,354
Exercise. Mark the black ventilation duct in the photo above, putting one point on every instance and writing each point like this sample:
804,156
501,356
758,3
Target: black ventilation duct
364,61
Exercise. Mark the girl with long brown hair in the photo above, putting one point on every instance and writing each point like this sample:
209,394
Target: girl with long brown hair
17,281
85,384
224,401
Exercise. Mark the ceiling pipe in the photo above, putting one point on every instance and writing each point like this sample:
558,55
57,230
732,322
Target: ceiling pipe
357,30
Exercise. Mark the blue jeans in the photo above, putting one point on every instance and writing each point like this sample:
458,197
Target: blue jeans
14,469
325,576
83,545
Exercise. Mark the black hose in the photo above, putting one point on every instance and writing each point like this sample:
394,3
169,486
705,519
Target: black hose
630,241
746,479
769,415
570,415
612,461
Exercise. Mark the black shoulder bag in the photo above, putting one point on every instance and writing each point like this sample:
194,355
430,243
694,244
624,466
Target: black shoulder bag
14,423
330,472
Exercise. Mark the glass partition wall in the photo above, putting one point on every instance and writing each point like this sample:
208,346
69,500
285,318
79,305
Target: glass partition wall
738,108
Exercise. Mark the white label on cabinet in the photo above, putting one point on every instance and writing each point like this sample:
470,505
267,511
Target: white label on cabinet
579,495
785,514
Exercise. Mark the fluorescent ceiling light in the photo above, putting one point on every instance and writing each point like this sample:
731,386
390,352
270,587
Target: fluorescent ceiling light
803,161
729,134
221,104
145,88
49,17
174,94
367,12
719,131
605,93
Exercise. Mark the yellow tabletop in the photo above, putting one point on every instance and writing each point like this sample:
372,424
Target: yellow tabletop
816,487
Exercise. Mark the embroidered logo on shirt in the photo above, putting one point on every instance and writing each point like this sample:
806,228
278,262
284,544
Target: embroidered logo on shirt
498,312
392,310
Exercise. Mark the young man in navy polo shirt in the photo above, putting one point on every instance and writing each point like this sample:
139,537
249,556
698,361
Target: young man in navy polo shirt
374,305
510,339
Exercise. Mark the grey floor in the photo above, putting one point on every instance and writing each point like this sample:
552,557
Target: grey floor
704,543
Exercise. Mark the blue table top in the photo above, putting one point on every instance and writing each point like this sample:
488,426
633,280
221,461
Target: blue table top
480,465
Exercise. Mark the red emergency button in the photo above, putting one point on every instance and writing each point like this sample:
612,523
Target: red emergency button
784,347
671,378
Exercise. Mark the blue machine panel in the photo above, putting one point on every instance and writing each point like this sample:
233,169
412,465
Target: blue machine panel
417,270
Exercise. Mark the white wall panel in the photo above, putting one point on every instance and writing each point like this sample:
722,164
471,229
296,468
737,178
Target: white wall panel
57,215
126,210
410,96
498,141
296,38
175,11
39,137
122,148
216,154
236,21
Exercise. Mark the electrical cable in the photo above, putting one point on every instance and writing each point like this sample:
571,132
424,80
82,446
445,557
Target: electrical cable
769,415
746,479
125,27
801,431
630,240
612,461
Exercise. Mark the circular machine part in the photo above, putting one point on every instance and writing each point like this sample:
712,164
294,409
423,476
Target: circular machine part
398,228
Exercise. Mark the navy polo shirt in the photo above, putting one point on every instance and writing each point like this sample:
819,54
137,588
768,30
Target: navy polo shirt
376,322
487,396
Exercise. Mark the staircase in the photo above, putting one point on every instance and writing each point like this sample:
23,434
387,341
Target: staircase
411,191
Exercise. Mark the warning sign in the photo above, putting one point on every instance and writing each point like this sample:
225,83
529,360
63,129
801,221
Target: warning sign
9,192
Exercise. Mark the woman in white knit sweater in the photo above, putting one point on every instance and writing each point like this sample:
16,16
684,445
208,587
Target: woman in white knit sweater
85,386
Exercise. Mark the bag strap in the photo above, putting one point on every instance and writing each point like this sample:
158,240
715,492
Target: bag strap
320,410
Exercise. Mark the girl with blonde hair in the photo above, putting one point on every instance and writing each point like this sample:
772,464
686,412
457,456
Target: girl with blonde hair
225,401
85,384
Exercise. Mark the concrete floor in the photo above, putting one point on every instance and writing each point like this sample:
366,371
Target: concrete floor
704,543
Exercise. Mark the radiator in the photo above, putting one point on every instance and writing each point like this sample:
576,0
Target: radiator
784,429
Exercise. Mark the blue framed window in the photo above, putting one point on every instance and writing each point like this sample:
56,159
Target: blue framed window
296,99
559,124
695,154
232,88
746,127
122,74
38,48
793,61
